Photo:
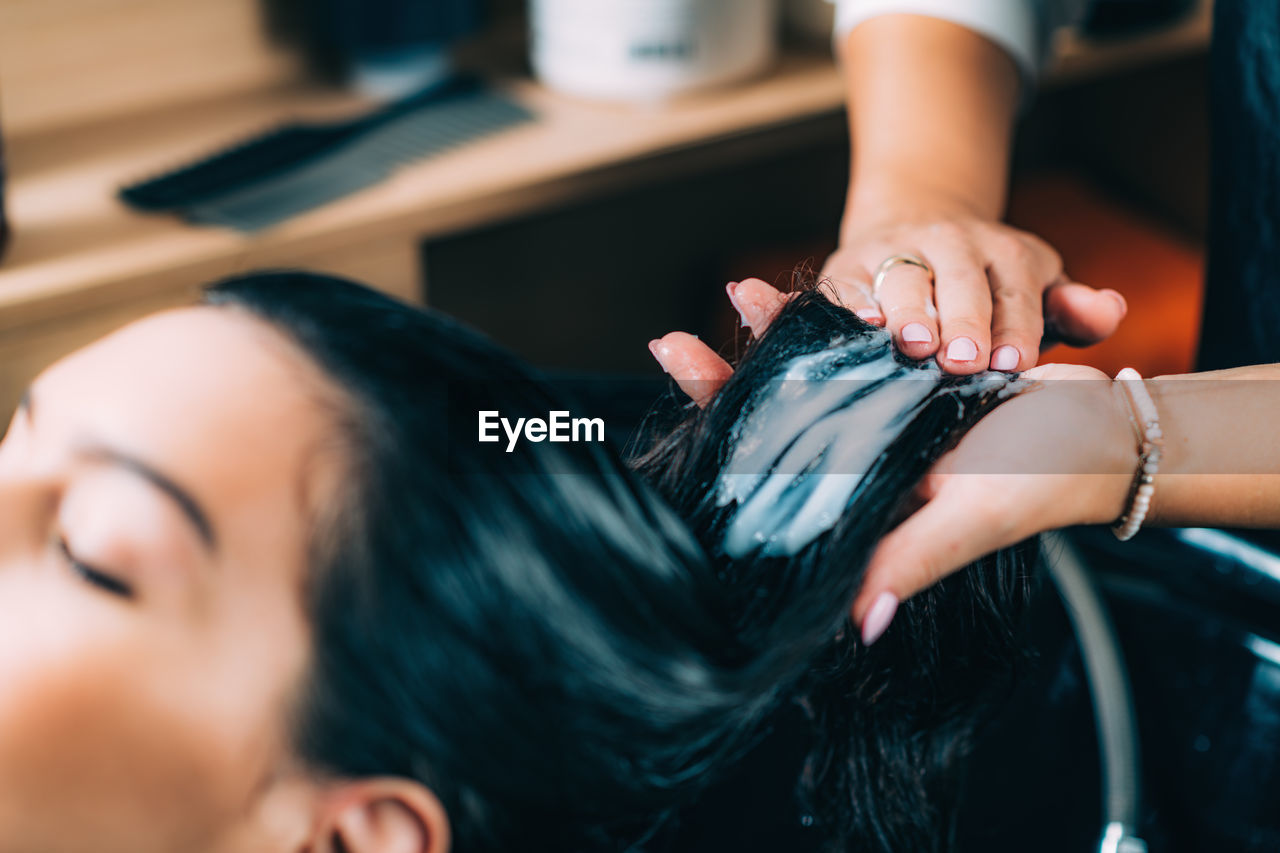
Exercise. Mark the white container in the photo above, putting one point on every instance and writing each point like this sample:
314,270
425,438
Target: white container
643,50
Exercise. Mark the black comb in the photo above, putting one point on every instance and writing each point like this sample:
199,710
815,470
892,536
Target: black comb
298,166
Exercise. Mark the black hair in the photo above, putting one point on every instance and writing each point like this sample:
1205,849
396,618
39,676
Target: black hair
561,652
891,723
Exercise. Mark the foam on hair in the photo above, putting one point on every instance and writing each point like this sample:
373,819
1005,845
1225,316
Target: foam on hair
809,439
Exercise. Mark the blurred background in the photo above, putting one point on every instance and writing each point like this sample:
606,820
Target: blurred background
617,162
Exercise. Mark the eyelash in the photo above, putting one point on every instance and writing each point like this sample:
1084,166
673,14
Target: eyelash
94,577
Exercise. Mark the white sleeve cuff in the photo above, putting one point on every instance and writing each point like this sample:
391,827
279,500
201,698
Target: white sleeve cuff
1013,25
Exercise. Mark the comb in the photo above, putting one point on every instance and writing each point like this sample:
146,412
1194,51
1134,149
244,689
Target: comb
299,166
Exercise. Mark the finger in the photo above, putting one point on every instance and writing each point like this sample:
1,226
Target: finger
694,366
1017,321
963,296
848,283
1078,315
1041,372
1055,371
945,535
906,297
756,302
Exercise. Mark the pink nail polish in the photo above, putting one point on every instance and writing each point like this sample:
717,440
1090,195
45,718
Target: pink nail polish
962,349
1005,358
870,315
655,347
877,620
732,289
916,333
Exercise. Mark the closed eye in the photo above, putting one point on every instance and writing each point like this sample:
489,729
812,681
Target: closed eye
95,577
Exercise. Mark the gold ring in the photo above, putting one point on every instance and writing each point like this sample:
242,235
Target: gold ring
894,261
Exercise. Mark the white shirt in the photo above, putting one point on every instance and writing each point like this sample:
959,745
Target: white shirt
1021,27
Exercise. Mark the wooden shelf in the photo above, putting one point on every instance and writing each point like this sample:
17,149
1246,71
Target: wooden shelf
75,245
80,260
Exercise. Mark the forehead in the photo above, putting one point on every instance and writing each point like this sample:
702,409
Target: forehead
187,354
212,396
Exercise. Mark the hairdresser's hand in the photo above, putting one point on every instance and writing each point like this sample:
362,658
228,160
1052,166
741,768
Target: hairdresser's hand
1061,453
699,370
999,294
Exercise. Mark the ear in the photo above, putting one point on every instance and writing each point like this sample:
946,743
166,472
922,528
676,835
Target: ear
383,815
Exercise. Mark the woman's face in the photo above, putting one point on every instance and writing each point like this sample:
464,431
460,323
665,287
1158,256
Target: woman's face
156,492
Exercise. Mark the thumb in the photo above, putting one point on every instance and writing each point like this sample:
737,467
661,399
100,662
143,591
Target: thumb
1079,315
695,367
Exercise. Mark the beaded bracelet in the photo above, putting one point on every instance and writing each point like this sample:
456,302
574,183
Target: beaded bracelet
1146,422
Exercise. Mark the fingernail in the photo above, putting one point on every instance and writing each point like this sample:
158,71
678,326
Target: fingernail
877,620
1005,358
870,315
962,349
732,289
916,333
1124,306
655,347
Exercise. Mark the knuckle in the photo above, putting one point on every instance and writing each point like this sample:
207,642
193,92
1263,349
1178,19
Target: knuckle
1043,248
1015,298
949,232
1005,243
1021,254
962,269
1044,260
1053,261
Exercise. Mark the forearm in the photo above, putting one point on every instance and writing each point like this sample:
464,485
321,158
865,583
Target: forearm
1221,463
931,110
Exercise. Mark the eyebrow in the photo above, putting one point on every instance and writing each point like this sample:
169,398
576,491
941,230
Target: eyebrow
185,502
165,484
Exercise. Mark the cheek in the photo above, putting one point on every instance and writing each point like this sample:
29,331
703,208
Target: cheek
106,740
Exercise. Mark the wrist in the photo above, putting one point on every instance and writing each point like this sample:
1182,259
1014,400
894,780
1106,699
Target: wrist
1105,450
1145,418
886,198
1120,455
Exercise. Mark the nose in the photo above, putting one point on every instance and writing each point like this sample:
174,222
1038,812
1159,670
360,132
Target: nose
27,502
